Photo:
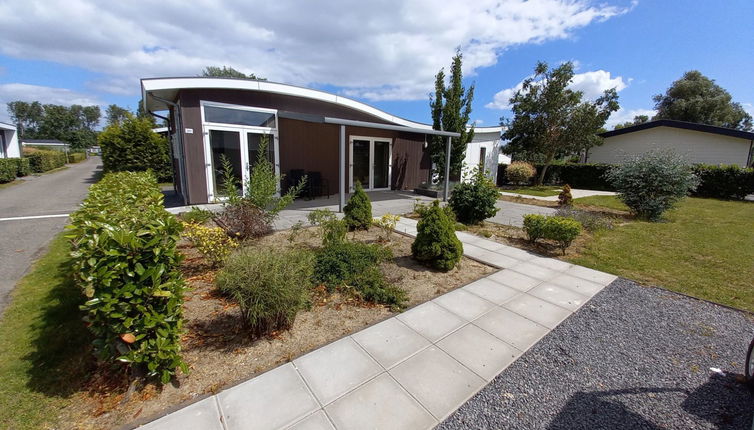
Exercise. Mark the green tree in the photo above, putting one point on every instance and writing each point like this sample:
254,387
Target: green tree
358,211
26,117
115,114
451,108
551,120
131,145
697,98
638,119
228,72
142,113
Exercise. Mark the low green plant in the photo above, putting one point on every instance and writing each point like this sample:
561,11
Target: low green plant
420,207
269,287
565,198
212,242
474,201
387,224
562,230
436,244
520,172
358,211
8,170
331,229
126,264
534,226
197,215
338,263
653,182
296,230
371,285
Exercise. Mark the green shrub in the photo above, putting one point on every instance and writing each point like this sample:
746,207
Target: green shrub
534,226
42,160
358,211
8,170
197,215
562,230
724,182
337,263
23,166
212,242
131,145
474,201
76,157
387,224
125,262
331,229
269,287
436,244
565,198
520,172
653,182
372,286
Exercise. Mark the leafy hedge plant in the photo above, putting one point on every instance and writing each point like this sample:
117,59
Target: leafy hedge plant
212,242
474,201
23,167
520,172
131,145
269,287
534,226
8,170
42,160
125,262
436,244
562,230
724,182
76,157
358,211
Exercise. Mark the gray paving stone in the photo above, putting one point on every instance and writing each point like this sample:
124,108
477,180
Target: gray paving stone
515,280
559,295
488,289
537,310
480,351
497,260
550,263
535,270
601,278
464,304
471,250
518,254
512,328
390,341
379,404
490,245
439,382
577,284
431,320
197,416
255,404
315,421
334,369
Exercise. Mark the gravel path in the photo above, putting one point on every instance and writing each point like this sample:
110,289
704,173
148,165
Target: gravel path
633,357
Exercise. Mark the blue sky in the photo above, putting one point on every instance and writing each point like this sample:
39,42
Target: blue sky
95,52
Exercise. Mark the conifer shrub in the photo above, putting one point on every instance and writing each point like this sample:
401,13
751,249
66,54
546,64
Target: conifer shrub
565,198
358,211
436,244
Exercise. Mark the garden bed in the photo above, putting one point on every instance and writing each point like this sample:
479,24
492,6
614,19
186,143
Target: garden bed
220,352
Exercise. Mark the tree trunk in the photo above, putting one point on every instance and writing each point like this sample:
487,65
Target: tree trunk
541,177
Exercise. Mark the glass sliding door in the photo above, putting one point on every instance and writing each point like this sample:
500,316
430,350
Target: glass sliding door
370,162
224,144
253,140
381,164
360,163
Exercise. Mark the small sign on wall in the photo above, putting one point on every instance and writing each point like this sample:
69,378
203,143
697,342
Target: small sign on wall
189,131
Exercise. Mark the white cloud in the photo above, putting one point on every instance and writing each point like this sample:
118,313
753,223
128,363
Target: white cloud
749,108
28,93
377,50
623,115
592,84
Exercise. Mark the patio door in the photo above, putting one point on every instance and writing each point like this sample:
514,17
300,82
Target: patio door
238,148
370,162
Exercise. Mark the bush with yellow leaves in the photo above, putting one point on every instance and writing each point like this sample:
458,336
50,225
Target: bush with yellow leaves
387,223
212,242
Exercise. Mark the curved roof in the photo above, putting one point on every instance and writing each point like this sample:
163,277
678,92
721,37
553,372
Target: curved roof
167,88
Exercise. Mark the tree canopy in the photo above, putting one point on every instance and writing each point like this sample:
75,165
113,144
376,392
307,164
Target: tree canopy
228,72
73,124
552,120
697,98
451,109
638,119
115,114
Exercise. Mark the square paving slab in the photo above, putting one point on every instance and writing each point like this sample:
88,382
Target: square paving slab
480,351
577,284
466,305
438,381
558,295
537,310
390,341
515,280
315,421
255,404
601,278
198,416
512,328
379,404
490,290
334,369
534,270
431,320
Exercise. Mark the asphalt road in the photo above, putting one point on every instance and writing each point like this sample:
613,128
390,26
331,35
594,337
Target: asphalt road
23,240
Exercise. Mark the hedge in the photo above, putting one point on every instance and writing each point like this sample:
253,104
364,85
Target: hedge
76,157
23,167
131,145
42,160
586,176
8,169
126,264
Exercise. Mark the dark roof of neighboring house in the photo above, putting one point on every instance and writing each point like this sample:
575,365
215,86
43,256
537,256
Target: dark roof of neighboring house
43,141
683,125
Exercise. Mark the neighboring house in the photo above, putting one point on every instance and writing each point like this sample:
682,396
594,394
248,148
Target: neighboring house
699,143
9,147
52,144
483,150
332,139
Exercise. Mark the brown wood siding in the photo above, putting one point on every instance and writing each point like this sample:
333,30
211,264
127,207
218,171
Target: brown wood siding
311,147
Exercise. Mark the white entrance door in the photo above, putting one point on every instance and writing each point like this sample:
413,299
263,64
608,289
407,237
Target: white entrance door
370,162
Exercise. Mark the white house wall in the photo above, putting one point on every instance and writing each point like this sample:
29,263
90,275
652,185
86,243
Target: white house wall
12,147
696,146
490,141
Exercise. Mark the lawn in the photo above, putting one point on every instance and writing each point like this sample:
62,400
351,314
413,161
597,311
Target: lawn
44,353
609,202
539,191
704,248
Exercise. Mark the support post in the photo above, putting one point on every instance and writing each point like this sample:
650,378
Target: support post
447,171
342,170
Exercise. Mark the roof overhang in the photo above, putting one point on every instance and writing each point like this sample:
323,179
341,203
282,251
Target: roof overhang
6,126
156,90
704,128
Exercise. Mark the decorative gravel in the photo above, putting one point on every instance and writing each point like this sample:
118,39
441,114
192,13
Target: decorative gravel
633,357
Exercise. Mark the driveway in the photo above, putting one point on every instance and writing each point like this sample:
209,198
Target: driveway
28,217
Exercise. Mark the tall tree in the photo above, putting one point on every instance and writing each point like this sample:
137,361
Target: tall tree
697,98
552,120
228,72
26,117
638,119
451,108
115,114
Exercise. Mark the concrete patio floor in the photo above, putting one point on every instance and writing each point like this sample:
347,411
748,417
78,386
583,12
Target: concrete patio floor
414,369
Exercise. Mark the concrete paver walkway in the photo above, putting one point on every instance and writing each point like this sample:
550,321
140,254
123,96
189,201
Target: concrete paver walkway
575,193
414,369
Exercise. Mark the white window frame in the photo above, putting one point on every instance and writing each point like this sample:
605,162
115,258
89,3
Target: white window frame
371,141
244,144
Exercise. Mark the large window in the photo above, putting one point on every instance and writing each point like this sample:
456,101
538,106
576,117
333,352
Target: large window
251,118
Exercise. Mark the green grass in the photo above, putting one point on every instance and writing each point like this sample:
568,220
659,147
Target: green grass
540,191
609,202
705,248
44,352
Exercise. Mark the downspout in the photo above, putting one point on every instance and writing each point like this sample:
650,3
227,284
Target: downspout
178,126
